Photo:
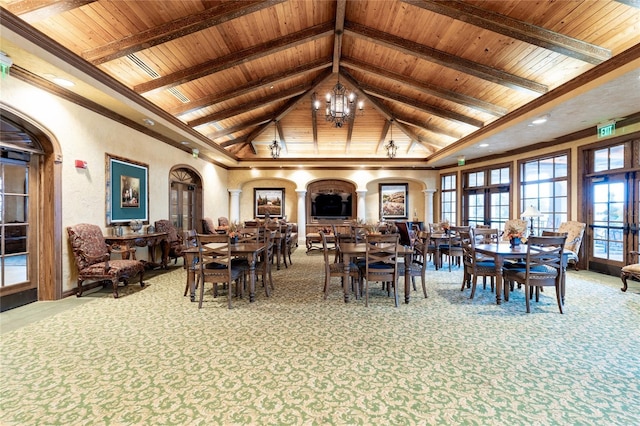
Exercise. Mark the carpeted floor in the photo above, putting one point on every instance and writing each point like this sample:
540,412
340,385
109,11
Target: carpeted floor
152,358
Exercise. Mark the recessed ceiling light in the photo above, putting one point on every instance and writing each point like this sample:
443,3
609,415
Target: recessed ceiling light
148,121
483,145
541,119
63,82
185,142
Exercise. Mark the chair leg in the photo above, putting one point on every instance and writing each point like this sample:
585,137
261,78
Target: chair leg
559,299
201,292
474,283
424,286
526,297
395,293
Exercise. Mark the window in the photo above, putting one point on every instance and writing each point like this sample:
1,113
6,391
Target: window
486,197
449,195
544,185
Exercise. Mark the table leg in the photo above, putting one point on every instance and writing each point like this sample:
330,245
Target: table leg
408,258
252,277
345,280
278,252
499,262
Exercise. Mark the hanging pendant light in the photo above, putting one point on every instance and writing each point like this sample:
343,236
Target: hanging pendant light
275,146
391,147
339,107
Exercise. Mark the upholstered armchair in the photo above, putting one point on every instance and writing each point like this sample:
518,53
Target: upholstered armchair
93,259
631,270
207,226
575,234
175,243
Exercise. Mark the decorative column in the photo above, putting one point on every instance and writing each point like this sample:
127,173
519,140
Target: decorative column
428,206
361,212
302,214
234,207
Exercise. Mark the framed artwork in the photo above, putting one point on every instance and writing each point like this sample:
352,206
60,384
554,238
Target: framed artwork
269,200
394,201
127,190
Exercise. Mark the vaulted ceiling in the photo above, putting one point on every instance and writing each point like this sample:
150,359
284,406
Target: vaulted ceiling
234,75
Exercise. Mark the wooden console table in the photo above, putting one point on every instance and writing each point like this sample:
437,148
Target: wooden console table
151,240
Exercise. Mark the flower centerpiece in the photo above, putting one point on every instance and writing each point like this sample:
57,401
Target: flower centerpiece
516,235
445,226
372,228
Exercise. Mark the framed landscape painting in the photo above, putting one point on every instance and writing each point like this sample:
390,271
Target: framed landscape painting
394,200
269,200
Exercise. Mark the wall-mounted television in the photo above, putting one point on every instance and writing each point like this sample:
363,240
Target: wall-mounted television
331,205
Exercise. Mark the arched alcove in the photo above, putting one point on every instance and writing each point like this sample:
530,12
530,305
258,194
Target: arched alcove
330,200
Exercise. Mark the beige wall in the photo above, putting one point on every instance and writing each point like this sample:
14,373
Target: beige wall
298,180
85,135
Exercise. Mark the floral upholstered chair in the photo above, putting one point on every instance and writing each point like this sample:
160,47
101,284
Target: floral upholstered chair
93,259
513,226
175,244
575,234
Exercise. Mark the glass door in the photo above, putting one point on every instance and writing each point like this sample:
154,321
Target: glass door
613,207
15,230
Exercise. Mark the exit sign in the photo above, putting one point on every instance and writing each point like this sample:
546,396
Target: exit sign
606,129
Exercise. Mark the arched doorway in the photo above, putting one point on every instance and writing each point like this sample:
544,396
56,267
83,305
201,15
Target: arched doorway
30,232
185,198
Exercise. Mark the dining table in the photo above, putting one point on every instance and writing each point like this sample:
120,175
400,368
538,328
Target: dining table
351,251
251,251
503,251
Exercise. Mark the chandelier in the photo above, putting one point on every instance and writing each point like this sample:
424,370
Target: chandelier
339,106
275,146
391,147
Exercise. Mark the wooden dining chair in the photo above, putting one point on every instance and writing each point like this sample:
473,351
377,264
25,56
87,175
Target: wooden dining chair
543,267
215,266
381,263
474,265
263,266
452,248
336,269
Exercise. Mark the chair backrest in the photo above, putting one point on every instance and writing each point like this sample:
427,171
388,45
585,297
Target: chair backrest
164,225
88,244
520,224
382,257
575,234
485,235
207,226
215,259
544,254
468,248
251,234
405,235
325,250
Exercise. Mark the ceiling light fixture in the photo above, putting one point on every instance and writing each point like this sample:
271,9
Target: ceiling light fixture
391,147
542,119
275,146
339,106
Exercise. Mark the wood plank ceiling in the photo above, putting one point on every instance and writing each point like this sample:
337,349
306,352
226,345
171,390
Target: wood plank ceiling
242,73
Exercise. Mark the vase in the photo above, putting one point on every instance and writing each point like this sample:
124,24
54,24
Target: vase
515,241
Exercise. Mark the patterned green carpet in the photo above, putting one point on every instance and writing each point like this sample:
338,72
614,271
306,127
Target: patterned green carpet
152,358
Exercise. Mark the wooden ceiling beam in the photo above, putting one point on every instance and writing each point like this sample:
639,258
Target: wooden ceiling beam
260,83
33,11
249,106
238,127
446,114
443,58
236,58
174,29
427,126
314,123
383,110
516,29
426,88
341,8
